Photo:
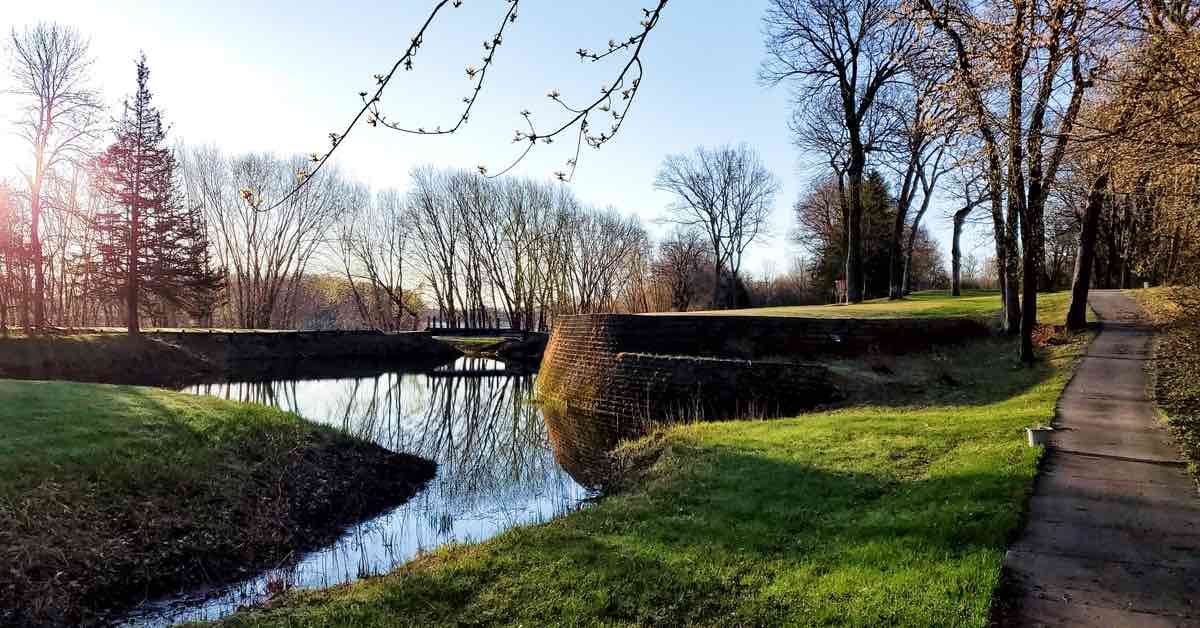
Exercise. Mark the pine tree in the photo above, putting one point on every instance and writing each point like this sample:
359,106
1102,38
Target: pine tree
154,250
191,282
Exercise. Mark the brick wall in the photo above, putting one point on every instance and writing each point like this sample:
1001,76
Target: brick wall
659,367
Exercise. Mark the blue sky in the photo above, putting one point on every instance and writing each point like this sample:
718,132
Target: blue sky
275,76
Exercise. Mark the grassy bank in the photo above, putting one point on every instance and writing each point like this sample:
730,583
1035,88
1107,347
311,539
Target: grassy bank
172,358
110,493
108,358
892,513
928,304
1176,314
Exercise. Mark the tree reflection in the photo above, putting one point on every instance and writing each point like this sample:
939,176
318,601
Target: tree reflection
496,469
491,445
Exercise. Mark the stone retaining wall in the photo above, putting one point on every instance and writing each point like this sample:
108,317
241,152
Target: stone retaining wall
172,358
656,367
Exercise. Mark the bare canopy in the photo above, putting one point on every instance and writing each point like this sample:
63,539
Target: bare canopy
840,56
727,194
50,73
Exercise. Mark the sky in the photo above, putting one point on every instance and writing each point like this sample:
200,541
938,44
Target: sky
280,76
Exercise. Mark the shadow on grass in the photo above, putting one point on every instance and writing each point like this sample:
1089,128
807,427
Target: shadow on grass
725,537
978,373
126,492
981,373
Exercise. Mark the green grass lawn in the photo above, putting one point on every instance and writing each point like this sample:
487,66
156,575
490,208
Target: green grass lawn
113,491
469,344
63,430
932,303
869,515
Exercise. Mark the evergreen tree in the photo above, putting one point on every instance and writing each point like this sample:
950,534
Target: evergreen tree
154,249
198,283
829,249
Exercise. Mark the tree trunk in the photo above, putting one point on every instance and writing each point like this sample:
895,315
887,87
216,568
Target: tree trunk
35,244
855,273
897,261
1169,270
844,199
1011,314
912,240
960,217
1031,272
716,294
1029,280
1085,255
131,282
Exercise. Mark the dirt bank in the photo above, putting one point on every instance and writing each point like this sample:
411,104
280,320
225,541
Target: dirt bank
105,358
231,349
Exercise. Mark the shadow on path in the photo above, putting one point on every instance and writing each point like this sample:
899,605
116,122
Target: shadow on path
1113,534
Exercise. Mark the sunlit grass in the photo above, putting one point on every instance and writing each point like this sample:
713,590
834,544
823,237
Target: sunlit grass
64,429
110,493
864,516
933,303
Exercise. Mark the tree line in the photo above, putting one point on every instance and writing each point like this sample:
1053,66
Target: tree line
120,225
1068,125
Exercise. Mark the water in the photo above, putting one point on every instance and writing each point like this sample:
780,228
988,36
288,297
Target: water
496,469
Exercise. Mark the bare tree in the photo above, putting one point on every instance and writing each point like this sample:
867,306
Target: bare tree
681,259
601,245
265,253
439,231
1043,56
959,219
923,123
727,194
372,242
847,52
50,73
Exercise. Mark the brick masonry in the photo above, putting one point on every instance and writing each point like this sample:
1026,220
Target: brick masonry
633,367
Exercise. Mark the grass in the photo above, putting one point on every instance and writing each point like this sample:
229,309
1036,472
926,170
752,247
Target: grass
1175,311
929,304
63,430
108,493
109,358
472,344
868,515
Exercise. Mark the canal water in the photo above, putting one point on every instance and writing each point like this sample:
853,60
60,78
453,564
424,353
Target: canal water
496,469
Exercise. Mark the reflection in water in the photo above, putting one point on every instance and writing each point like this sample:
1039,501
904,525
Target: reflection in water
582,443
496,469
